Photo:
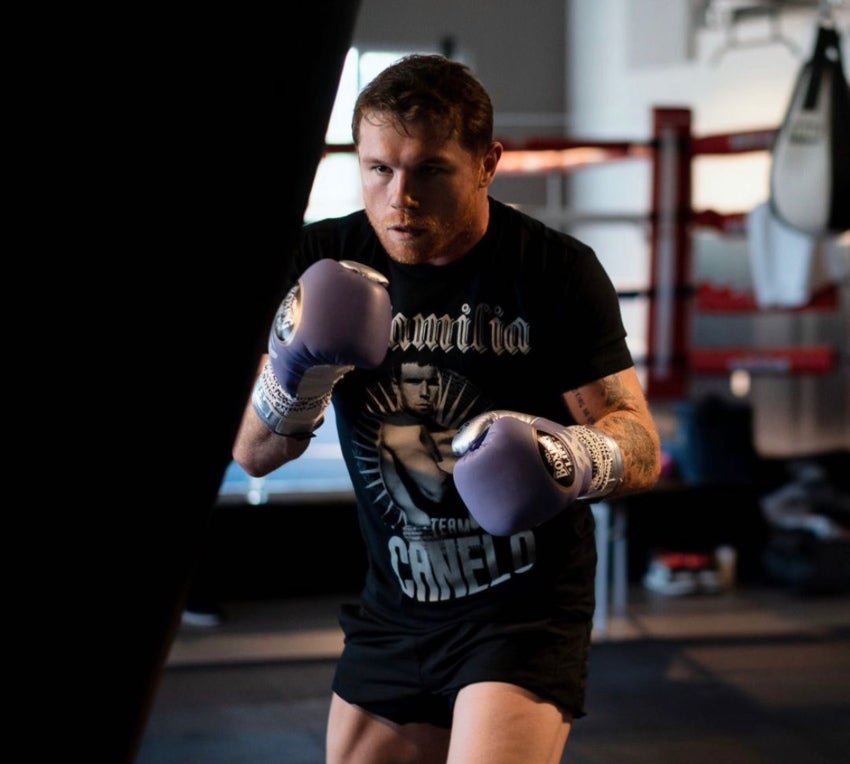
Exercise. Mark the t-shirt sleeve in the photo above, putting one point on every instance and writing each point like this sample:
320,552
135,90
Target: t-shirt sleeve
595,320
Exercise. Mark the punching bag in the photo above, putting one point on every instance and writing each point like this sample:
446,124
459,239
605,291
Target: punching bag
810,158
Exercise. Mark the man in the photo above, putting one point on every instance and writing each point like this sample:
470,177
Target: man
416,449
470,641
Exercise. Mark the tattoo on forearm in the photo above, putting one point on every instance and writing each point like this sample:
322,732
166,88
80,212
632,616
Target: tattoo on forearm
634,439
614,397
626,420
585,409
614,393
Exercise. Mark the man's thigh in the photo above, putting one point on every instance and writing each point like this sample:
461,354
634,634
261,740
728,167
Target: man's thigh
355,736
498,722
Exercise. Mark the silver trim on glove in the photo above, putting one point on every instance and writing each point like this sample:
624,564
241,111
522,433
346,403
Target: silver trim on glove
471,431
607,460
366,271
295,416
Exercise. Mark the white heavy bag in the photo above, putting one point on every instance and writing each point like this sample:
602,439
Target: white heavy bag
783,260
810,158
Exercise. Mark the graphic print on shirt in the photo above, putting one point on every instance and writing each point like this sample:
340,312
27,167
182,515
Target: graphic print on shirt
402,448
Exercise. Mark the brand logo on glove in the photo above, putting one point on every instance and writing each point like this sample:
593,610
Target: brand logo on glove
557,459
286,318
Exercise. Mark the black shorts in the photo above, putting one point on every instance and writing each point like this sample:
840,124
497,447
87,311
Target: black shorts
414,676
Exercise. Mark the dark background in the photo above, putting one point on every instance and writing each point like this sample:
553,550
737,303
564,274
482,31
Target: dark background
195,152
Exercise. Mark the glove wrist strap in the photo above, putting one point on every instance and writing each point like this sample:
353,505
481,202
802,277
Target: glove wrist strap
606,459
295,416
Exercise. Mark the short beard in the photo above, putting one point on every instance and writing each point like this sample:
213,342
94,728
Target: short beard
416,254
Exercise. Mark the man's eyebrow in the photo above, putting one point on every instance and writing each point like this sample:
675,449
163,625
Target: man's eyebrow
435,159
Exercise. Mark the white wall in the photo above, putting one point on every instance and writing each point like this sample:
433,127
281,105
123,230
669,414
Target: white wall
611,90
516,48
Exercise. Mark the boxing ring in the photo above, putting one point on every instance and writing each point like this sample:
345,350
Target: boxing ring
672,219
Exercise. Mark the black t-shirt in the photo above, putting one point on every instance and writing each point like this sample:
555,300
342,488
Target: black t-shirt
526,315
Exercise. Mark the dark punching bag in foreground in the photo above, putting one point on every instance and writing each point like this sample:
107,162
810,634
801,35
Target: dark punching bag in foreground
235,116
810,164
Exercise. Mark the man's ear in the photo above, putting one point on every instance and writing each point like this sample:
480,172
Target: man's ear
489,164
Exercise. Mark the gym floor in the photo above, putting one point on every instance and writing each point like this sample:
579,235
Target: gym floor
757,675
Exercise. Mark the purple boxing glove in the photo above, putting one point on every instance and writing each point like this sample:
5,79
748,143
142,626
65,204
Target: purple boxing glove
336,318
515,471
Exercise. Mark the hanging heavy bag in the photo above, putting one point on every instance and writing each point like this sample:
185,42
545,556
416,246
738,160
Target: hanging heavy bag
810,159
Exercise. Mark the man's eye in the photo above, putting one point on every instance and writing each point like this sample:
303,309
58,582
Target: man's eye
382,169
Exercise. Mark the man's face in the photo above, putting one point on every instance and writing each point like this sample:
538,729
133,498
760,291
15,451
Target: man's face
425,197
418,387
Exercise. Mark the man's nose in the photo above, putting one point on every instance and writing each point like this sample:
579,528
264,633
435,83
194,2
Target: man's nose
403,192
